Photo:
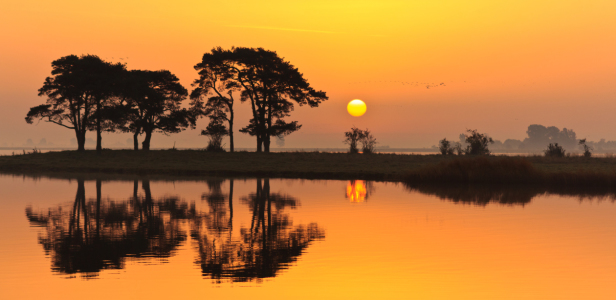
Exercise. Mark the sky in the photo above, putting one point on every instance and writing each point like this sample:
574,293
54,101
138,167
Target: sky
427,70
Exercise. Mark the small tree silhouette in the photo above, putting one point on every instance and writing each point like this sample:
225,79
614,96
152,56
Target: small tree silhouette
216,131
368,142
445,147
478,143
352,137
587,148
554,150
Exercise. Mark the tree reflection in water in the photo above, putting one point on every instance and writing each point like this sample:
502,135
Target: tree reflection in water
506,194
97,234
269,245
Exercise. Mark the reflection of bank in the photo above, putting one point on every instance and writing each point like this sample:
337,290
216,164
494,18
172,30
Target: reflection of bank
358,190
96,234
269,245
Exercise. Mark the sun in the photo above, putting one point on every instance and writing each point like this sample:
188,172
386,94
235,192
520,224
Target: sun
356,108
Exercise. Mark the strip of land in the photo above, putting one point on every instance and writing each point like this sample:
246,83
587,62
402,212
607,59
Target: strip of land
599,171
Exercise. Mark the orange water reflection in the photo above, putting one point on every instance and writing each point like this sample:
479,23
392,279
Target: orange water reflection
509,243
356,191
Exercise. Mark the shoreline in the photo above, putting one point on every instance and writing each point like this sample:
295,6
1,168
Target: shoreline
407,168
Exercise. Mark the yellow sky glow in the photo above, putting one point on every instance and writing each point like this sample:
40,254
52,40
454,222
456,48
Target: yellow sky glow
504,65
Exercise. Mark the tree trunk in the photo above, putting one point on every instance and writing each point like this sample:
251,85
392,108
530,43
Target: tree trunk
260,128
266,188
230,199
81,141
259,142
146,142
230,130
267,129
145,184
99,137
98,208
136,140
135,189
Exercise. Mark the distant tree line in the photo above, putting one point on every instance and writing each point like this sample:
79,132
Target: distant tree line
551,141
85,93
539,137
475,144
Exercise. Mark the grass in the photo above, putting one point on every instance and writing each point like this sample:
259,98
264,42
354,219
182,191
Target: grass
569,171
565,171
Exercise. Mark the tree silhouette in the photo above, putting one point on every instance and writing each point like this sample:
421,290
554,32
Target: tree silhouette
478,143
76,93
352,137
270,244
152,101
216,130
271,84
539,136
101,234
217,82
587,149
445,147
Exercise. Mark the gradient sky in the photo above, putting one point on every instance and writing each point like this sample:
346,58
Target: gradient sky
504,64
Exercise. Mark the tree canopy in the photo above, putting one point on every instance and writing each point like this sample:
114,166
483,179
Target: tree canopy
151,100
214,90
271,85
75,92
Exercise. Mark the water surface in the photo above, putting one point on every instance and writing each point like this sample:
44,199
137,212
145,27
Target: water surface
275,239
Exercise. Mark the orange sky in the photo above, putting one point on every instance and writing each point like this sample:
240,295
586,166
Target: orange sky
504,64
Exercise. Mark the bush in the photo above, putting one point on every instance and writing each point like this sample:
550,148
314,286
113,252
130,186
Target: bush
368,142
216,131
554,150
352,137
587,148
445,147
365,137
478,143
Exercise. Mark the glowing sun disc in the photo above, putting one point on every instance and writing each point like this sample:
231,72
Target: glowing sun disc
356,108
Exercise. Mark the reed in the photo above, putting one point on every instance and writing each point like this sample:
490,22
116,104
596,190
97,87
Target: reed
509,170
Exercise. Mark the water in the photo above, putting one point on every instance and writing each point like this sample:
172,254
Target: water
299,239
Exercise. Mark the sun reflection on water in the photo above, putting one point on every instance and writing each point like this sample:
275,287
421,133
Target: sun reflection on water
356,191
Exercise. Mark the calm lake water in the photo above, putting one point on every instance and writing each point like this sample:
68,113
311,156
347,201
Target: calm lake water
299,239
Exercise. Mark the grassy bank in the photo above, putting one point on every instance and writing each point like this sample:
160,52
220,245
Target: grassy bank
315,165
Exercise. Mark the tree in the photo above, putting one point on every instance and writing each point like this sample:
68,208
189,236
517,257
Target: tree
152,101
539,136
76,93
272,86
217,79
587,149
352,138
445,147
478,143
554,150
368,142
215,130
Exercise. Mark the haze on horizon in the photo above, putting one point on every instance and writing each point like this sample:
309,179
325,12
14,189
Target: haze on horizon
503,66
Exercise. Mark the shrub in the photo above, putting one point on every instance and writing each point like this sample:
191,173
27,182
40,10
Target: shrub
216,131
554,150
445,147
365,137
368,142
352,137
478,143
587,148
